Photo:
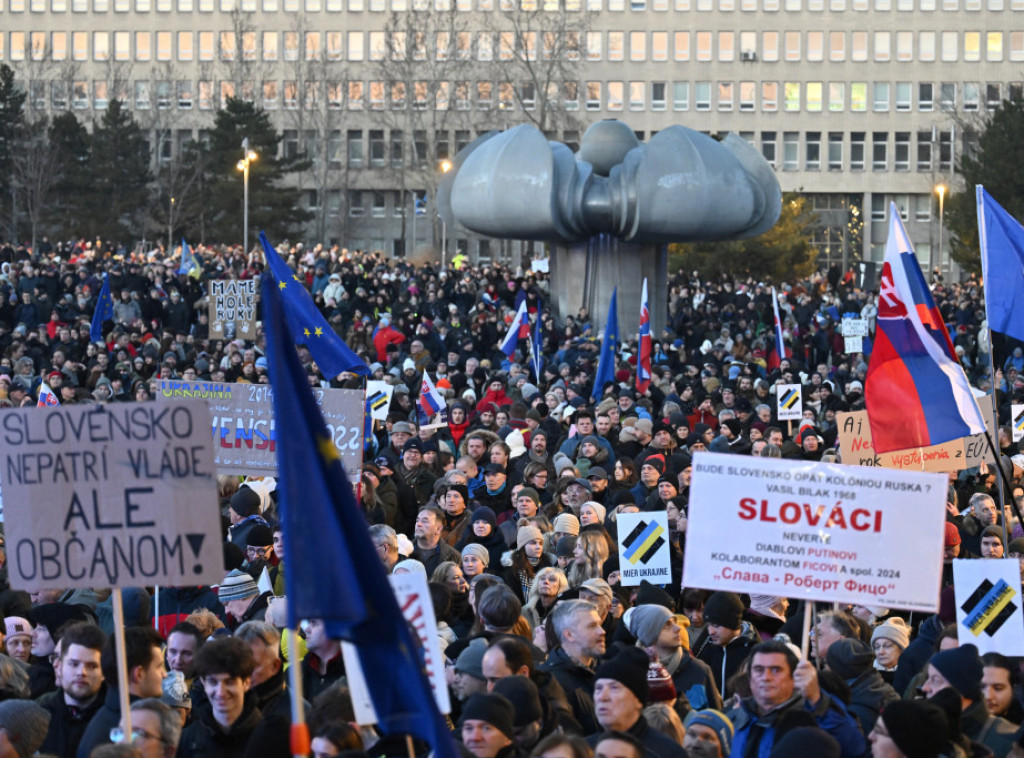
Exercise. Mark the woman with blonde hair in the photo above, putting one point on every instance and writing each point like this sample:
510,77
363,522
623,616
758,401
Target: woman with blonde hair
588,560
549,583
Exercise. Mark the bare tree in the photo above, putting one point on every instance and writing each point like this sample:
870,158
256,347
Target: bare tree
538,58
36,170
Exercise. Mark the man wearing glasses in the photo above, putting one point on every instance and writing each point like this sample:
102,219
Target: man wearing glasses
156,729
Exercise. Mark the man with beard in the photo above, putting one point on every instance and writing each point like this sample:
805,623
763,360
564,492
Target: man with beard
82,688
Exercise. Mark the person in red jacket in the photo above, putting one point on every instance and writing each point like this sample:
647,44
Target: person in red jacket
496,394
384,336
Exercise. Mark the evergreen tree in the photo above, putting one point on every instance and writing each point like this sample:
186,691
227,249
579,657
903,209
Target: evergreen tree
783,253
991,164
12,117
273,202
118,178
70,139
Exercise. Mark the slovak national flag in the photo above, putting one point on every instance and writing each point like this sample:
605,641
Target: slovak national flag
916,392
431,403
643,361
46,396
780,346
518,329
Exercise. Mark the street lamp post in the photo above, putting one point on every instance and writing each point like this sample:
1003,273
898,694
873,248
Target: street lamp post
941,189
248,156
170,228
446,166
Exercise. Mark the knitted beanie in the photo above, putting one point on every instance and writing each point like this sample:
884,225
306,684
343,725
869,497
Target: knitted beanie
245,502
566,547
483,513
952,535
531,493
598,509
479,551
647,621
527,534
237,585
919,728
895,630
716,720
524,696
660,688
566,523
493,709
962,668
724,609
26,725
629,668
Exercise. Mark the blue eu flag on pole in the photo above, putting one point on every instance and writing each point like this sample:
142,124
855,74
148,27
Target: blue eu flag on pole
334,573
1002,256
188,261
104,312
307,324
606,363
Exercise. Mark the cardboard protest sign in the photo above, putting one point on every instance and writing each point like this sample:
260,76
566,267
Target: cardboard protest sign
413,596
245,431
232,308
378,398
854,331
789,402
857,448
119,495
643,548
1017,414
988,605
815,531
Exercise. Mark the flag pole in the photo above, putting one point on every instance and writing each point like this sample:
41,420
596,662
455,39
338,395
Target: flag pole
979,192
122,663
299,737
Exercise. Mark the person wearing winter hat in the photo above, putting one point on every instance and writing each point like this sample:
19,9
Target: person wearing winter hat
488,726
729,639
852,660
784,688
484,530
620,693
565,551
767,613
566,525
888,641
592,512
807,740
18,638
244,513
475,558
524,696
599,592
708,734
658,629
469,675
961,669
241,598
992,542
23,727
520,566
910,729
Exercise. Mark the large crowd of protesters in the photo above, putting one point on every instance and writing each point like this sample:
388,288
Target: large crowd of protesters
509,509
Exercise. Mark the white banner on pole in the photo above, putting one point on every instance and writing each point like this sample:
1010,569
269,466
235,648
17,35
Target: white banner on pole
988,605
378,398
815,531
644,551
1017,413
413,596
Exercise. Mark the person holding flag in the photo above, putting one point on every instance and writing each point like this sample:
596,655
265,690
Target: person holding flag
606,361
46,395
779,353
518,329
431,402
643,359
189,265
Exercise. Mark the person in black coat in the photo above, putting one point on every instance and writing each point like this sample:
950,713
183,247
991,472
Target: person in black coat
82,693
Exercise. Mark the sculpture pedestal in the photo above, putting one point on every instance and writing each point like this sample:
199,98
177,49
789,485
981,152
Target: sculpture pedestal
585,273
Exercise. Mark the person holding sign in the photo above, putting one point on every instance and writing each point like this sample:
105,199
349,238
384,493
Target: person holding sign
780,684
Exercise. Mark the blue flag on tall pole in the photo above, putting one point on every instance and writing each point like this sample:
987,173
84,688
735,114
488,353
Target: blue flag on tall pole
307,324
1002,256
606,363
188,259
537,343
104,312
334,573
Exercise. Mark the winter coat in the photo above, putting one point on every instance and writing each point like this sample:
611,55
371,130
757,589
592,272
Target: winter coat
578,683
205,738
66,726
869,694
725,661
993,732
829,713
656,744
108,715
177,603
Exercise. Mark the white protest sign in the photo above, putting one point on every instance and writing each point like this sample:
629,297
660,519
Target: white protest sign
413,596
119,495
854,331
1017,414
378,398
789,403
232,308
815,531
644,551
988,605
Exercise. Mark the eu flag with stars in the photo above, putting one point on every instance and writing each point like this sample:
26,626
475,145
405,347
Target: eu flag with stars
334,573
307,324
104,312
606,363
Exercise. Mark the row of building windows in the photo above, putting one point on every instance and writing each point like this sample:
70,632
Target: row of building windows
634,46
553,6
744,96
922,151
